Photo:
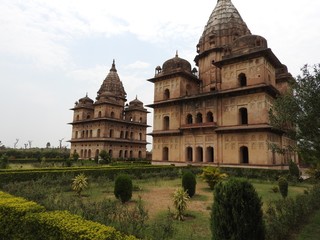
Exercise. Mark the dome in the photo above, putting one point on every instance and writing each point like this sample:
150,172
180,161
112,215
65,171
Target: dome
85,100
112,84
248,43
136,103
176,64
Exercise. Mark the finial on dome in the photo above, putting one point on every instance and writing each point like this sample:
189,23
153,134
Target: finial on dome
113,68
86,94
136,96
177,53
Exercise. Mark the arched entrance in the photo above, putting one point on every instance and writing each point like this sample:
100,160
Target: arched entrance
244,155
189,154
199,154
165,154
210,154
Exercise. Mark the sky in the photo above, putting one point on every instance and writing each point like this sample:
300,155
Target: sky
54,52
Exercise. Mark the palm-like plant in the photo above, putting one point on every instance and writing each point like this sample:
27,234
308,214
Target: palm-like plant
180,201
79,183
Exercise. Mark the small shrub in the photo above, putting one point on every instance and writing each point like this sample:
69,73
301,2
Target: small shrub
4,161
180,202
189,183
212,176
294,170
283,186
236,212
75,156
123,188
105,157
275,189
79,183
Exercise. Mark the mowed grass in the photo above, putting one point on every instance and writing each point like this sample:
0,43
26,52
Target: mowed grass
156,195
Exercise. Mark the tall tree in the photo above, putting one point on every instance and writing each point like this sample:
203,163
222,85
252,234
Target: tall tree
297,113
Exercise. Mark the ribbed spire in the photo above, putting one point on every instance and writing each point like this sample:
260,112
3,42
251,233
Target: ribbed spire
224,25
112,84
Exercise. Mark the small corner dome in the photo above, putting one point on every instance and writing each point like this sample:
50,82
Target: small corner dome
176,64
249,42
136,102
85,100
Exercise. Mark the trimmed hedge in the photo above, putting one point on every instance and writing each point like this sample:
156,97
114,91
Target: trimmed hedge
265,174
107,172
12,213
22,219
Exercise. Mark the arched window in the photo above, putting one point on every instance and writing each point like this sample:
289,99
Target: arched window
210,154
111,133
120,154
140,154
166,123
140,120
189,154
131,154
166,94
199,118
140,136
110,153
127,135
90,133
243,112
81,153
125,154
88,116
76,135
89,153
209,117
97,153
112,114
85,153
77,118
242,80
199,154
244,155
165,154
189,119
99,114
87,133
98,133
121,134
82,134
131,135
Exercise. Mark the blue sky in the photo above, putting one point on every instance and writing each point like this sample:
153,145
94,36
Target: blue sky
53,52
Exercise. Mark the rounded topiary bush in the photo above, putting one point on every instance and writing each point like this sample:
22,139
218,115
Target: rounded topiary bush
283,186
236,212
189,183
123,188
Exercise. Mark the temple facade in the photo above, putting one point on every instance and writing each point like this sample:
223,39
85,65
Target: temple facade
109,123
217,113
